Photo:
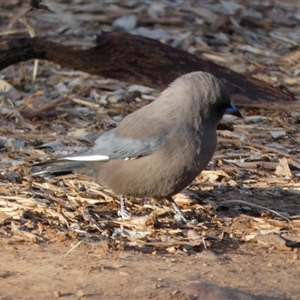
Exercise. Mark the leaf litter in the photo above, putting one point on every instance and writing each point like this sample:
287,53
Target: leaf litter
257,166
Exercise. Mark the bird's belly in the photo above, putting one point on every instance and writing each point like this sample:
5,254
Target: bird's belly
147,176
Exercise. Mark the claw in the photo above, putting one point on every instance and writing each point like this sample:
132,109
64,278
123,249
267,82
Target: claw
123,212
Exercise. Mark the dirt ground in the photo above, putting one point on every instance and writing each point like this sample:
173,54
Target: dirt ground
46,271
61,237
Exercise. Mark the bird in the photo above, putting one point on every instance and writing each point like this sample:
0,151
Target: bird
159,149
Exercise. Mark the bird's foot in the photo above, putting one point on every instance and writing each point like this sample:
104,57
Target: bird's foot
180,218
123,212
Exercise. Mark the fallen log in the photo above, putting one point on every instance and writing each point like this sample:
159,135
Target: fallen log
143,61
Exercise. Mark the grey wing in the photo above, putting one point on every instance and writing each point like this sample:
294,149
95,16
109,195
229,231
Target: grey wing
110,146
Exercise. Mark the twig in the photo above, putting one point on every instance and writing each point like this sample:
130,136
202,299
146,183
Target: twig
253,205
292,159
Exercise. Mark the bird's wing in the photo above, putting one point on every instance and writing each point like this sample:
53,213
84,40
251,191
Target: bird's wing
107,146
110,146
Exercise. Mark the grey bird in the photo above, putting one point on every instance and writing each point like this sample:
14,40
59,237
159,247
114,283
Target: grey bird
159,149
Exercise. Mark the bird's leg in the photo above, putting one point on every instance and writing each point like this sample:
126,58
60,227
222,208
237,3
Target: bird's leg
179,216
123,212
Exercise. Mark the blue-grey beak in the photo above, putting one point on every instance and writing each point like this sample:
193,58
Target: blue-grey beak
232,110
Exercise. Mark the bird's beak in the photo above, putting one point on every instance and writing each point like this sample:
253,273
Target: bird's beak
232,110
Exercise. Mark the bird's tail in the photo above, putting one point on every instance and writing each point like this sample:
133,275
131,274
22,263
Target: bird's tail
56,167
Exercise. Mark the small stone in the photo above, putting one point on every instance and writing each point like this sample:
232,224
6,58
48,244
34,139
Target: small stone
61,88
114,98
126,23
175,292
157,286
103,100
80,293
122,273
277,134
295,114
56,294
207,255
6,87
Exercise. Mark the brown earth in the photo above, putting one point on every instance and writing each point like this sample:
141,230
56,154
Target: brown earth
94,272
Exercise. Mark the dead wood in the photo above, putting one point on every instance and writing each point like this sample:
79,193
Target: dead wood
144,61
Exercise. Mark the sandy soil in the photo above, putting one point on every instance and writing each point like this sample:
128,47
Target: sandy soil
47,271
